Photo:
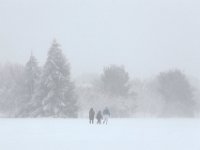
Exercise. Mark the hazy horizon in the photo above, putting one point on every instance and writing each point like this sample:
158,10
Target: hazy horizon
146,37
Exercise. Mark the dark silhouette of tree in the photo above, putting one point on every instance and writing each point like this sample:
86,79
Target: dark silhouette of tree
177,93
115,81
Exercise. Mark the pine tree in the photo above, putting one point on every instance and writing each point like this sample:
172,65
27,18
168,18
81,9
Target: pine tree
32,72
32,80
58,97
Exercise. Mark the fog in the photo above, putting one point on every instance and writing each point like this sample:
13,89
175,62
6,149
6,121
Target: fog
145,36
138,58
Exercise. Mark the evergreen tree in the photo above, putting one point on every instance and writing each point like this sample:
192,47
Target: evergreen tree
32,80
178,94
57,90
115,81
32,73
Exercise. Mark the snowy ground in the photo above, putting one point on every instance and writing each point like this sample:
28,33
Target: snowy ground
119,134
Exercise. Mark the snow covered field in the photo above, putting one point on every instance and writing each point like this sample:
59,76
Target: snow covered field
119,134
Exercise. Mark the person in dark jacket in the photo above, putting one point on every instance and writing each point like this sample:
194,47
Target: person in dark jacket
106,115
99,117
91,115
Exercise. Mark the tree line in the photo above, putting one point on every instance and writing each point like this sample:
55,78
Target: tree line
48,91
32,91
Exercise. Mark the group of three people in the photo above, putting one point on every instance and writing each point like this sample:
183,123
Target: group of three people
99,116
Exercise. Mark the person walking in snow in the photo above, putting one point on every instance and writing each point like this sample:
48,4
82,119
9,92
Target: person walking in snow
91,115
99,117
106,115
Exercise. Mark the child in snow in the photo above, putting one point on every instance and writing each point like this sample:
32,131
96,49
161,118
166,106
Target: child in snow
99,117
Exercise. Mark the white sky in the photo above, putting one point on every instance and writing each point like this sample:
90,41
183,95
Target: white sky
145,36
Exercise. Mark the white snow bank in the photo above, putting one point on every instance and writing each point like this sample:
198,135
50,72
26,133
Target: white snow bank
119,134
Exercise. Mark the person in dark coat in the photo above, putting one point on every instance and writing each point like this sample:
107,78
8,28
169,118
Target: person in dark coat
99,117
106,115
91,115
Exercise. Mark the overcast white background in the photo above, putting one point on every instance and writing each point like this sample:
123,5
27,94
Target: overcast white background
145,36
